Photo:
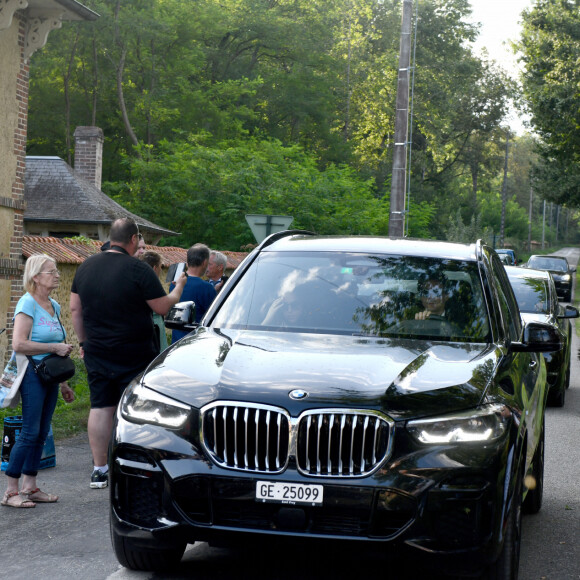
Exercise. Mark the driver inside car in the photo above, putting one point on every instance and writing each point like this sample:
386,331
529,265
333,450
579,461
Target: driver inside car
433,294
433,317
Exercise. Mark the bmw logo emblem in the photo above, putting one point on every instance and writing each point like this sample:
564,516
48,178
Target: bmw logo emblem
298,394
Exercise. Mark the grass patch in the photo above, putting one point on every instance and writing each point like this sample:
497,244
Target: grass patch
68,419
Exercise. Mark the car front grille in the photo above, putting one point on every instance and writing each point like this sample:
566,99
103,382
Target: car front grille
248,437
336,443
325,442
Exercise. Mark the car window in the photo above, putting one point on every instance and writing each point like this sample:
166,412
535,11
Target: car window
543,263
532,294
509,309
358,294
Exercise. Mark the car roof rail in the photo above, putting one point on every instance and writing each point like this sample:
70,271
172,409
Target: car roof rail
283,234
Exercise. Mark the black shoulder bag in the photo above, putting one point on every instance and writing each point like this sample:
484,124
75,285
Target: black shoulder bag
54,368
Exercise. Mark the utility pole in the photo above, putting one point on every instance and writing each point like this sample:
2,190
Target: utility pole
544,226
398,181
504,192
530,219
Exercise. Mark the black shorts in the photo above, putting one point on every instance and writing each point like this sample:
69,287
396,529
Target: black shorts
107,382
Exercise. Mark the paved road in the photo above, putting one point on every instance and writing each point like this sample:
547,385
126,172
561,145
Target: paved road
551,538
70,539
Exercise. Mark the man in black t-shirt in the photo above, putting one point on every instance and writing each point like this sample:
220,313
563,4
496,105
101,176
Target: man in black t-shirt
112,297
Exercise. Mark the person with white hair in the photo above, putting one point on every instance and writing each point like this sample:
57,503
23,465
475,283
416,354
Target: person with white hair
215,269
38,333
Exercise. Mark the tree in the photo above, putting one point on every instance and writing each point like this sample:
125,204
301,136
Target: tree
213,187
196,85
550,45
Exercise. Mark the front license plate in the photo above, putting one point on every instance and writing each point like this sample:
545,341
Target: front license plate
290,493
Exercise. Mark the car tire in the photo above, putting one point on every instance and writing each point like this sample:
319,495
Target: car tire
567,382
533,502
507,565
145,558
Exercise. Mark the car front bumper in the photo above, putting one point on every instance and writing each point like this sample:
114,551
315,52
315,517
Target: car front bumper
563,288
164,490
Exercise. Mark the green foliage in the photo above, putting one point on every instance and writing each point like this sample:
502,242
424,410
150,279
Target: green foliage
420,218
82,239
458,231
516,217
550,45
211,110
213,188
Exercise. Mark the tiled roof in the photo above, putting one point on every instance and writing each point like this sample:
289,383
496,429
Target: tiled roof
75,252
54,192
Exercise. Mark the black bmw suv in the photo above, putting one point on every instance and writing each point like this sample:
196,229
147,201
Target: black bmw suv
561,271
373,390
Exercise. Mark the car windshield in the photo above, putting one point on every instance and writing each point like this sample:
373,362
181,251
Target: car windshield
359,294
531,294
544,263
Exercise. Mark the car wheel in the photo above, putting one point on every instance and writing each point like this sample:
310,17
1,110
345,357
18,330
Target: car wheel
567,382
507,565
145,558
535,481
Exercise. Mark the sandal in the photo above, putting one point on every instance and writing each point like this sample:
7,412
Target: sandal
38,496
14,499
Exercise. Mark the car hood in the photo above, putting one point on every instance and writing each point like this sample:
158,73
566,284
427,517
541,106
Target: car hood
404,378
558,274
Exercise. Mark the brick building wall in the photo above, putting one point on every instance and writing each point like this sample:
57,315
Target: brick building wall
13,153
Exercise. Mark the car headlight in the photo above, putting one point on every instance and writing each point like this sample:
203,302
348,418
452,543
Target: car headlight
566,278
476,426
143,405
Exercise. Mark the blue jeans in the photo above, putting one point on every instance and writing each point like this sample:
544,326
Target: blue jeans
38,404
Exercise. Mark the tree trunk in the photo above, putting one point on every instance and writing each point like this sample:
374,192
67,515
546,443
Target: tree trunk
121,98
95,83
66,81
474,176
119,78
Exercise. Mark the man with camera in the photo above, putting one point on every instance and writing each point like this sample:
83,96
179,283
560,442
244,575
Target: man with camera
196,289
112,296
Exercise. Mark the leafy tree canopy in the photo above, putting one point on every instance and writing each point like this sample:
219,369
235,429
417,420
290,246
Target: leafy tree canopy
550,45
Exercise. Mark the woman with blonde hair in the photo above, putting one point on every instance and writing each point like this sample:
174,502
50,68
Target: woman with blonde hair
154,260
37,333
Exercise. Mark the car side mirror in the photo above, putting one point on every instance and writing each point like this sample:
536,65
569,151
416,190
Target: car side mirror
181,316
573,269
570,312
539,337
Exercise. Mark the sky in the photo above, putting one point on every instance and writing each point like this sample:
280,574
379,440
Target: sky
500,21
